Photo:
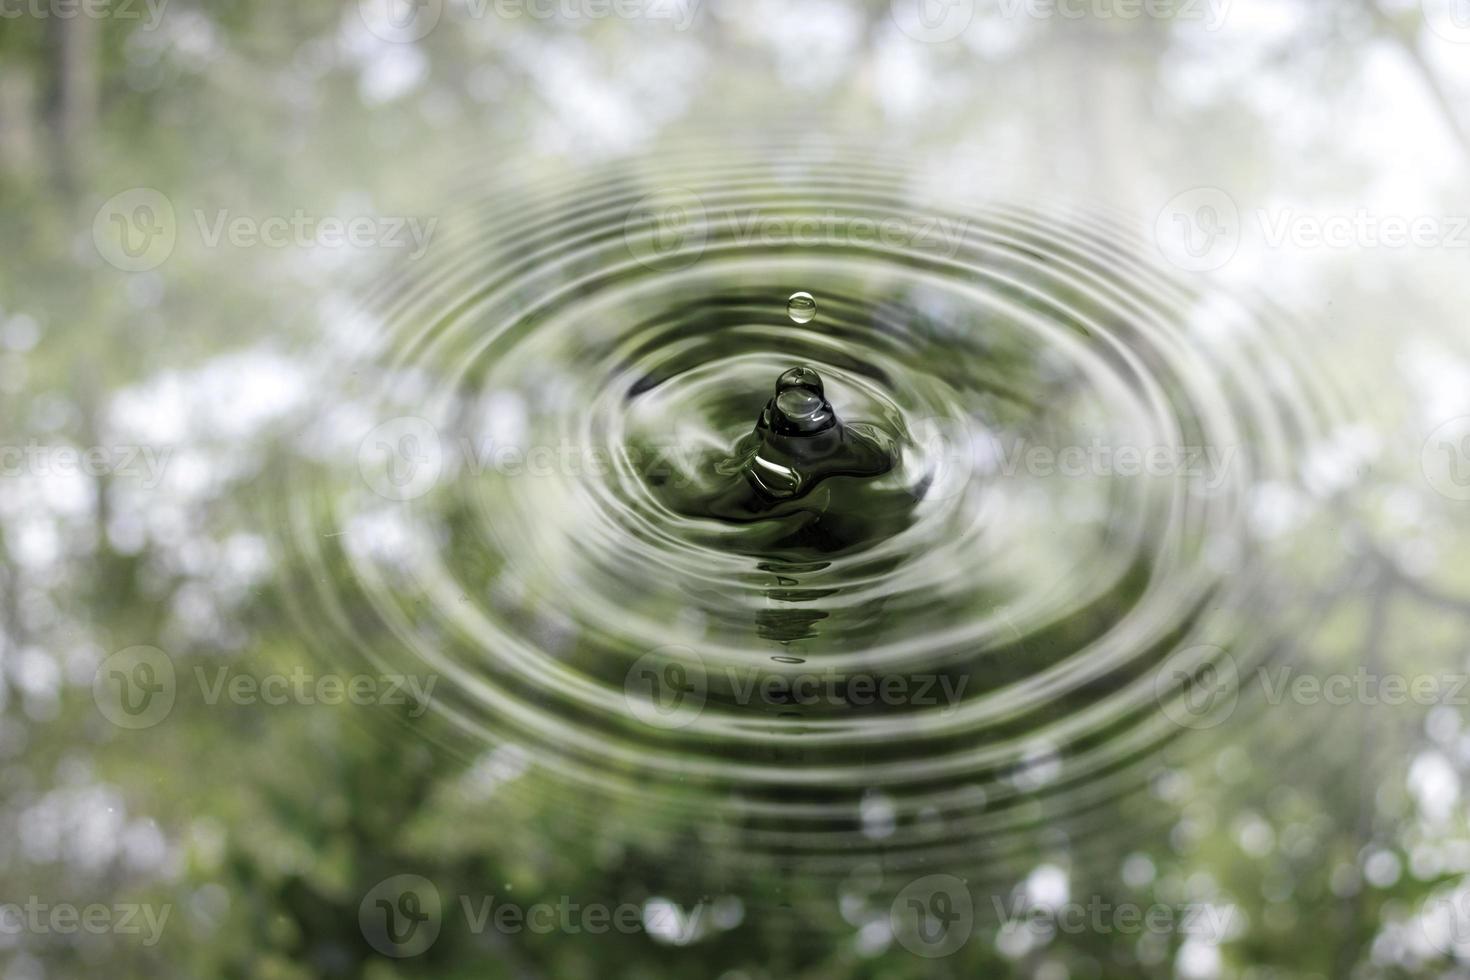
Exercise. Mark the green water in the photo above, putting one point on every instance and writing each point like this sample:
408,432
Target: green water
994,516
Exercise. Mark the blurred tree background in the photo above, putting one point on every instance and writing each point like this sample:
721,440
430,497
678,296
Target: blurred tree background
263,829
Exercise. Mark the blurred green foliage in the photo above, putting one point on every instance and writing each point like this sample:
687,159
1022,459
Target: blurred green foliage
274,824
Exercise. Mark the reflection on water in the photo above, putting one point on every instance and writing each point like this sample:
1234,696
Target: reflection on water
1065,662
941,630
802,477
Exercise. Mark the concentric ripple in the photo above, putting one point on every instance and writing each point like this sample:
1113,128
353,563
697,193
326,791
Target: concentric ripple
1078,547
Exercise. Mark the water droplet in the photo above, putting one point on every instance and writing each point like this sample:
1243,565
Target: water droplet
804,376
800,405
801,308
789,660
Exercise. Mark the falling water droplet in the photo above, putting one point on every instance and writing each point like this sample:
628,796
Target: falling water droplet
801,307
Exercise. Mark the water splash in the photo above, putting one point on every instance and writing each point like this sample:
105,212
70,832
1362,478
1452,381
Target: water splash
980,530
798,446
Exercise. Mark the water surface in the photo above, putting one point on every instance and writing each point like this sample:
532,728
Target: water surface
1052,538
